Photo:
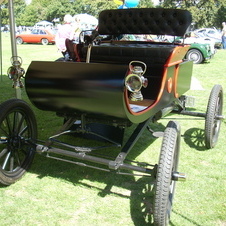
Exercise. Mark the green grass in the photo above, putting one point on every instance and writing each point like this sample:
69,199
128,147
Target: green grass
57,193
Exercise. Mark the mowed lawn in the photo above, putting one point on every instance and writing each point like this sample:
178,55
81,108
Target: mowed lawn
58,193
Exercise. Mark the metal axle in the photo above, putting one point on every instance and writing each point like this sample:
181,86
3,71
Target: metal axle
94,159
178,176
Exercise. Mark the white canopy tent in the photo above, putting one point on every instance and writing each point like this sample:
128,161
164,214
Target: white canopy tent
86,21
44,24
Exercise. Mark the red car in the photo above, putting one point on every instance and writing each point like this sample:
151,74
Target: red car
36,36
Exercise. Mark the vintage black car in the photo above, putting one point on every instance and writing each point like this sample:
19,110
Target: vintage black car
107,86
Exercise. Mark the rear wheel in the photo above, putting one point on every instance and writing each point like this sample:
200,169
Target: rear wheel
167,166
195,56
19,40
45,41
213,116
18,132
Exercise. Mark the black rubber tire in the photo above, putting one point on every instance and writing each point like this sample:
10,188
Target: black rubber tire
19,40
18,132
45,41
212,124
195,55
168,163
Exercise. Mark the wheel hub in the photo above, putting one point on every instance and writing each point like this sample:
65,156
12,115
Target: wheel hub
14,142
178,176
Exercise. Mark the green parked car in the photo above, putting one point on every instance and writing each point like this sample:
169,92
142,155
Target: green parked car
199,53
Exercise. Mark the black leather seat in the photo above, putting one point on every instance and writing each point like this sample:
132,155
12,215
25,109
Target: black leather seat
157,21
125,53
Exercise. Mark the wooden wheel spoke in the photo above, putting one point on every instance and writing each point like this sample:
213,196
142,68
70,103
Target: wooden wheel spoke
3,152
22,126
17,156
23,130
6,161
5,127
11,165
18,120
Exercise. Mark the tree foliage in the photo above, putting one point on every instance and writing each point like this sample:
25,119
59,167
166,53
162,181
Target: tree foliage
145,4
52,9
209,13
205,13
19,8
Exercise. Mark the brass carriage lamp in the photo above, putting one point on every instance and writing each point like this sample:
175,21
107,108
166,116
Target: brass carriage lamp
16,72
135,80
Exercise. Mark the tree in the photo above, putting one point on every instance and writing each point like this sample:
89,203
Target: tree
145,3
19,8
51,9
204,13
221,14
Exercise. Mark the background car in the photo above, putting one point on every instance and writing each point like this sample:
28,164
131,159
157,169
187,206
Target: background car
36,36
198,53
210,34
192,37
200,50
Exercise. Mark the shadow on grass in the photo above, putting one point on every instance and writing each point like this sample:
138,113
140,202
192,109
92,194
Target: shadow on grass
185,219
141,195
141,190
195,138
141,201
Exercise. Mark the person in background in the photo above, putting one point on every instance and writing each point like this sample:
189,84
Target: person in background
76,29
224,35
64,32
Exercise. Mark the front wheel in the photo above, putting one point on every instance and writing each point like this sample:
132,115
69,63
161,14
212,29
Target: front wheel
19,40
213,116
167,167
18,132
195,56
45,41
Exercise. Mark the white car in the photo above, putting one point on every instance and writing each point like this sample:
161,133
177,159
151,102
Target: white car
210,34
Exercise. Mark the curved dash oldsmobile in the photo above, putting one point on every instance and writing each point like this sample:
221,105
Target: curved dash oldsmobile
107,86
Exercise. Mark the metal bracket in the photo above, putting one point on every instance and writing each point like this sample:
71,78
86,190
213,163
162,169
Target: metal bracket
118,161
